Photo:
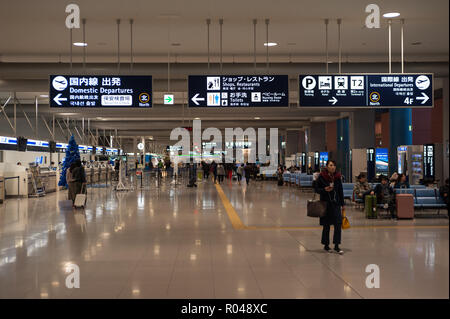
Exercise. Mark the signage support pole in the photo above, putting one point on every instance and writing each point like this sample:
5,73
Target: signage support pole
339,43
70,39
254,44
168,56
15,113
326,45
208,22
53,126
84,44
221,52
82,127
118,46
36,105
402,45
267,44
390,44
131,45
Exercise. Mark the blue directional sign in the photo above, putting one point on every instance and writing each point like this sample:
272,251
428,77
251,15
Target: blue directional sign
238,90
100,91
366,90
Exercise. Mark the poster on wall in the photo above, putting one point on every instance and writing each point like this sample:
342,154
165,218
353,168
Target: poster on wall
382,161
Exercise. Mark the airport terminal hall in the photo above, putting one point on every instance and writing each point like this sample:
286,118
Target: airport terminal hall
224,154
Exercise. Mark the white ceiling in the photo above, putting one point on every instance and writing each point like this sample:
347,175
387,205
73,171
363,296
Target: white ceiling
32,31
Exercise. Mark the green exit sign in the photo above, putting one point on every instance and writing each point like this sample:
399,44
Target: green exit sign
168,99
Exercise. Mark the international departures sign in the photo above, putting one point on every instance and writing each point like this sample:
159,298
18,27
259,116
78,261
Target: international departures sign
366,90
238,90
100,91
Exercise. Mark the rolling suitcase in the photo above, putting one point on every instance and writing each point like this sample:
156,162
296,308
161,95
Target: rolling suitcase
405,205
80,199
371,206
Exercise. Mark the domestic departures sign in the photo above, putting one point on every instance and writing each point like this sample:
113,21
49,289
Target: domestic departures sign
366,90
100,91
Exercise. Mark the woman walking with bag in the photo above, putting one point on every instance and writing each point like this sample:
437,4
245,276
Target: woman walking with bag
329,186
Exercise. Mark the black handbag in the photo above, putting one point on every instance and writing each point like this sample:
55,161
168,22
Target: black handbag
316,208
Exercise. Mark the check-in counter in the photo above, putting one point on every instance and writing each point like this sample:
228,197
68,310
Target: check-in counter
89,174
2,189
96,175
48,178
14,179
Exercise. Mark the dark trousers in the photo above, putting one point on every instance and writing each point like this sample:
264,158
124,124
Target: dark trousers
247,178
336,234
206,174
221,178
215,177
239,177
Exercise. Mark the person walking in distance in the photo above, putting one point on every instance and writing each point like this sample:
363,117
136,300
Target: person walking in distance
213,170
221,172
248,172
71,183
329,186
239,173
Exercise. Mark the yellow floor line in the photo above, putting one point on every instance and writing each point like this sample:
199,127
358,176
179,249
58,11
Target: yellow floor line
232,215
238,224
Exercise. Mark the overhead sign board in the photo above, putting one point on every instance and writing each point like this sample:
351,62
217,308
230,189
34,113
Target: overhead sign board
366,90
238,90
100,91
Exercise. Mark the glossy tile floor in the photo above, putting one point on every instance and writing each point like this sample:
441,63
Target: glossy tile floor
178,242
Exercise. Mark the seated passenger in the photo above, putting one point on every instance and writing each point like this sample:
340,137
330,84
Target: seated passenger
443,191
362,187
402,182
385,195
393,180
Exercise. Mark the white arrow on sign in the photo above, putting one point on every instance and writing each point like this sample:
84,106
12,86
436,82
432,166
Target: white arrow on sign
333,100
195,99
424,98
59,98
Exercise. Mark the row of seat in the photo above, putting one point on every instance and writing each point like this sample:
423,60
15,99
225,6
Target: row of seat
299,179
348,189
423,197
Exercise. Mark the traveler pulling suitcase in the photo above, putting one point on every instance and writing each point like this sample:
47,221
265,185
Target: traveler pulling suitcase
371,206
80,199
405,205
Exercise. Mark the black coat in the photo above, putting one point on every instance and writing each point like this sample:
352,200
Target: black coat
334,199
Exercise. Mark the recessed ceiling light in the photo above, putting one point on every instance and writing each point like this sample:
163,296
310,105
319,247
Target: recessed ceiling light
197,118
257,118
270,44
80,44
43,95
391,15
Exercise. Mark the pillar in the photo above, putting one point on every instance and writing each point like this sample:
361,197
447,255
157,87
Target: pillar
343,147
362,129
400,122
317,138
445,130
292,143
